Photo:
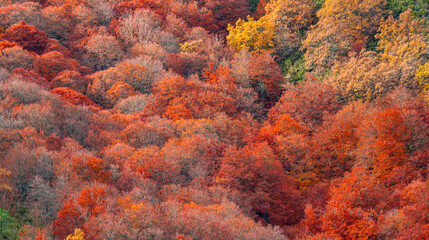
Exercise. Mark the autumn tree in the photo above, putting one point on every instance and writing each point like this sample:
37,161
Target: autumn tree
28,36
403,38
43,199
154,131
291,19
383,147
227,12
118,91
354,205
74,97
413,200
16,57
70,79
254,36
256,173
23,165
195,15
265,78
132,104
142,26
368,76
140,73
150,162
334,143
342,28
308,102
30,76
50,64
57,22
101,82
166,90
76,211
91,169
422,76
102,52
77,235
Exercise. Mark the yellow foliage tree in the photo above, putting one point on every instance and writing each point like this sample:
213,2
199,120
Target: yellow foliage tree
77,235
422,77
359,16
343,27
254,36
403,38
291,19
4,186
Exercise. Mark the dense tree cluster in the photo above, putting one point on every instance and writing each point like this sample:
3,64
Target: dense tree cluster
214,119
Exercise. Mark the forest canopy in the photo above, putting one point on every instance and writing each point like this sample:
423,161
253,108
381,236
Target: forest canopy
214,119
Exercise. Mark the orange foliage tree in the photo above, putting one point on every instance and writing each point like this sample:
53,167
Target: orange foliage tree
118,91
86,206
354,206
50,64
91,169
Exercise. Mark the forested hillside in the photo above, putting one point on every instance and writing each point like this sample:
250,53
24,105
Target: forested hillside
214,119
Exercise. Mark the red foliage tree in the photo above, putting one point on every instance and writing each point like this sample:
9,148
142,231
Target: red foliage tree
308,102
74,97
31,76
28,36
333,150
255,172
70,79
68,218
91,169
50,64
227,12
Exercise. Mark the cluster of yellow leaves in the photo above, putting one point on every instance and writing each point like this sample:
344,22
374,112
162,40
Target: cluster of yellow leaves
359,16
402,38
3,186
254,36
77,235
422,77
191,46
